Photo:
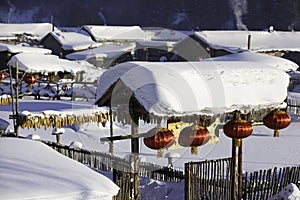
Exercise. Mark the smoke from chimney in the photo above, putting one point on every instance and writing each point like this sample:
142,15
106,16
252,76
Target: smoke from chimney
239,8
11,10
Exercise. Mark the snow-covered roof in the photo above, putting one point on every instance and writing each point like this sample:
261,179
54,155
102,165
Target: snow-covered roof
259,41
206,87
23,49
35,29
35,171
116,33
273,61
162,34
74,41
106,51
39,63
155,44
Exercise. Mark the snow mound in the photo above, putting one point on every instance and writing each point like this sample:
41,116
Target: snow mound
290,192
32,170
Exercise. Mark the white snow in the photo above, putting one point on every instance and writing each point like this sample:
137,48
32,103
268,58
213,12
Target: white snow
260,40
74,41
121,33
163,34
106,51
38,30
273,61
38,63
23,49
209,87
290,192
31,170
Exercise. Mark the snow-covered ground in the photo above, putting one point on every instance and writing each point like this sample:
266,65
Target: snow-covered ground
31,170
261,149
267,86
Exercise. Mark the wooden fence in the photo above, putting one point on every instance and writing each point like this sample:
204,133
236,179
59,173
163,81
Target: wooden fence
108,162
211,180
266,183
208,179
121,167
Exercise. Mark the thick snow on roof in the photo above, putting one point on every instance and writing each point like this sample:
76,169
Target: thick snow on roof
260,40
39,63
155,44
106,51
32,170
198,87
74,41
273,61
23,49
123,33
164,34
35,29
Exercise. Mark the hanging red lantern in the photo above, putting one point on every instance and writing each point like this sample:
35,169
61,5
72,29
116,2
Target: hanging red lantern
163,138
2,76
30,79
238,129
277,119
194,136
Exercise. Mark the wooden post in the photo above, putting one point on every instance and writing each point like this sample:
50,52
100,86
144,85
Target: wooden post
17,101
249,41
240,172
111,144
135,151
234,182
187,181
12,98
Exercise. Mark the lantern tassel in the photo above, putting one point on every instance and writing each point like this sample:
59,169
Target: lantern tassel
160,153
194,150
237,142
276,133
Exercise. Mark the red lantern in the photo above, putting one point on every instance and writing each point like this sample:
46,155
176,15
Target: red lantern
31,79
277,119
238,129
194,136
164,138
2,76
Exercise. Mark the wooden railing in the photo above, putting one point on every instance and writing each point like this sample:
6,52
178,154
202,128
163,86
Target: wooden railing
211,180
108,162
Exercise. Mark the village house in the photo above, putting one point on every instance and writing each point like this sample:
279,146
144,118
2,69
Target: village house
63,43
160,46
105,56
285,44
24,32
9,50
115,34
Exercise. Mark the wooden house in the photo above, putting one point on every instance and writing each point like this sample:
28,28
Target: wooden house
115,34
24,32
105,56
9,50
195,48
63,43
160,47
284,44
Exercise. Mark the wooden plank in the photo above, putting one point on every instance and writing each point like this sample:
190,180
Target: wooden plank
263,184
250,190
255,177
268,180
187,181
245,188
